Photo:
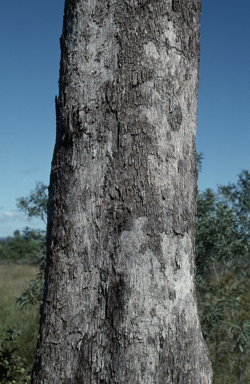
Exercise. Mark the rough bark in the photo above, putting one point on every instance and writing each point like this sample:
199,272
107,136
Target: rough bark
119,302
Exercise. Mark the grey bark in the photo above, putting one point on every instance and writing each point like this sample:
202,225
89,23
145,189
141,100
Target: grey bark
119,302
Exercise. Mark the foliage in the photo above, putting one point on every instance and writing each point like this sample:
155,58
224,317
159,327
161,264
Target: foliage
35,205
18,248
32,242
199,157
33,294
13,369
12,279
222,278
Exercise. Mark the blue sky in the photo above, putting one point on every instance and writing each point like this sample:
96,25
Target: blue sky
29,63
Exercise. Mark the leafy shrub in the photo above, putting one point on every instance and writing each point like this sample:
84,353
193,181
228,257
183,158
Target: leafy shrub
222,279
13,369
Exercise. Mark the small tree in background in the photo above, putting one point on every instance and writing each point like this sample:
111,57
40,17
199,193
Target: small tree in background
35,205
31,243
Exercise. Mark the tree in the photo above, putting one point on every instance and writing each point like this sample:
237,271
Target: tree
35,205
119,299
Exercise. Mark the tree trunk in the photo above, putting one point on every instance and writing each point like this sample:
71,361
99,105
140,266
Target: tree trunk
119,302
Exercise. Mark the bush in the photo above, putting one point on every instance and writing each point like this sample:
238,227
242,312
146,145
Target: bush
13,369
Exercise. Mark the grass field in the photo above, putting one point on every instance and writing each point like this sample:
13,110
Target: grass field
12,281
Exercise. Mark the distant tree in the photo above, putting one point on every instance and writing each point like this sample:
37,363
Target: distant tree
18,248
35,205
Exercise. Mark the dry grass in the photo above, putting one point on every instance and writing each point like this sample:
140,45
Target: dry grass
13,278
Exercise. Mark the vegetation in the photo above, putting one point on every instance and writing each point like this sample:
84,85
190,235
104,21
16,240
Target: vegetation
222,261
18,344
35,205
12,367
19,306
222,276
18,248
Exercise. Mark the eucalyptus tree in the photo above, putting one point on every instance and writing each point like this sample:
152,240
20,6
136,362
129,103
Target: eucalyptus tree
119,298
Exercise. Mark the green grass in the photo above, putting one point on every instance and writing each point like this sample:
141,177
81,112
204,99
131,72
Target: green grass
12,282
